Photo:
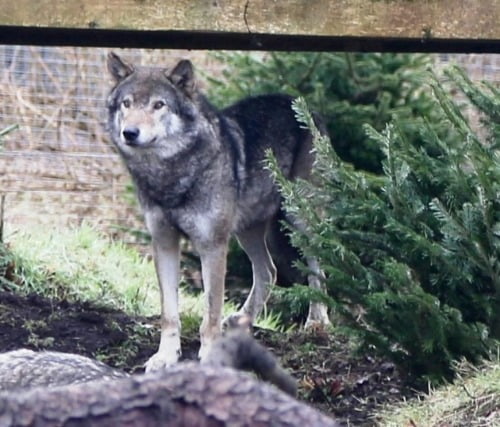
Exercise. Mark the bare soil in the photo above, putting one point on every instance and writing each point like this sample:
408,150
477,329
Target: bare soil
330,377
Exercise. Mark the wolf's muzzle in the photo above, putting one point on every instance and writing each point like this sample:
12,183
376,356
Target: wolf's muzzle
131,135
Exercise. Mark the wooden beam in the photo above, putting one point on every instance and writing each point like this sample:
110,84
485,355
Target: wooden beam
415,21
471,19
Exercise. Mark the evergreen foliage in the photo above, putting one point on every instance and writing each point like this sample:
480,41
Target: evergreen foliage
411,256
347,89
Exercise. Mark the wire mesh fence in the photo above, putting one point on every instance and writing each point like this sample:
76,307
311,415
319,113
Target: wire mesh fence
58,167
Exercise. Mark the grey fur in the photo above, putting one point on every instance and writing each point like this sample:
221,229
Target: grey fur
199,173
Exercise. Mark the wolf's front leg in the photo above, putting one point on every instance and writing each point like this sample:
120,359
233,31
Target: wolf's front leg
167,262
213,266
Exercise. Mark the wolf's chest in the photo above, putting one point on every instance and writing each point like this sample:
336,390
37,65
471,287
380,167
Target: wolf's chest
162,187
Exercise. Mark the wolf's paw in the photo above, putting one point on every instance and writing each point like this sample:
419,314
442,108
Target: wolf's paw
237,321
316,325
204,352
318,318
161,360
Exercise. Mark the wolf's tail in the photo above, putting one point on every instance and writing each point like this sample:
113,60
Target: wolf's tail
240,351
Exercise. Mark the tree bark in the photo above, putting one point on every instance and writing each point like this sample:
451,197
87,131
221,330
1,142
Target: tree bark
188,394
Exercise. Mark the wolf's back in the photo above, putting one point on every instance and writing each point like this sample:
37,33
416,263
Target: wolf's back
268,122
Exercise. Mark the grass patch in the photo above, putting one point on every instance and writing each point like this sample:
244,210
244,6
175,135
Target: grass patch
85,265
82,264
472,400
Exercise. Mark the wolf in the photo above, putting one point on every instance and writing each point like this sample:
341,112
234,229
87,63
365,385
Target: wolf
199,173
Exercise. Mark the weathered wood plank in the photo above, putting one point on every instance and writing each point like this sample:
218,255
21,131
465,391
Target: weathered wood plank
440,19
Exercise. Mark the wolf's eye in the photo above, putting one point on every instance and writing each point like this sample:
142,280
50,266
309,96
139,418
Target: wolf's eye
158,105
126,103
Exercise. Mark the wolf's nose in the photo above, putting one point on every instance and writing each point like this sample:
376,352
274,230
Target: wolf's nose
131,134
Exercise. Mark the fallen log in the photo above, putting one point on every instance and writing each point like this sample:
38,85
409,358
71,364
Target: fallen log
20,369
25,368
61,389
187,394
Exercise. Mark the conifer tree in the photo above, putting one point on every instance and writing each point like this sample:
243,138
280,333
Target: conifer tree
346,89
414,252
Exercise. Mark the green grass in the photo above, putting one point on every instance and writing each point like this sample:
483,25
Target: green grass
472,400
84,264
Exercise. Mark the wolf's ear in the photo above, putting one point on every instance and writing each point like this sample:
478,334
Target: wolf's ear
183,76
118,68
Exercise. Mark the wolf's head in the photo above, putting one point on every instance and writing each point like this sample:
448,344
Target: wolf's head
152,109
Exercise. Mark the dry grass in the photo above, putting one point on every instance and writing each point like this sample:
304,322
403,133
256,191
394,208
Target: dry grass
472,400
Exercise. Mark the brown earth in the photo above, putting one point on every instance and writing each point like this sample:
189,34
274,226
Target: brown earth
330,377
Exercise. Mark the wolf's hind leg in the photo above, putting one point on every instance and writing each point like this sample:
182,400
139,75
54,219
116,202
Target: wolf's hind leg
166,249
253,242
318,312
